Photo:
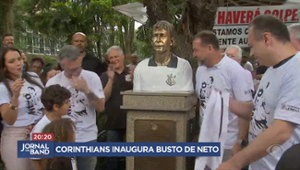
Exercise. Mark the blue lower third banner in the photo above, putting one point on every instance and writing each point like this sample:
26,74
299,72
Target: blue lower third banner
50,149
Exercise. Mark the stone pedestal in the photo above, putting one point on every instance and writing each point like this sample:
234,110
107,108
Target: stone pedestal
158,117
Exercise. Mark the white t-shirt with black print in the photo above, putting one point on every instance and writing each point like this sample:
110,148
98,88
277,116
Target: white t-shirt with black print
277,97
82,112
30,108
227,76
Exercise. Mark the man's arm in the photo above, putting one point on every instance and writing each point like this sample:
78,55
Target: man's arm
98,103
94,94
108,88
241,109
243,87
277,134
107,79
243,122
243,129
242,136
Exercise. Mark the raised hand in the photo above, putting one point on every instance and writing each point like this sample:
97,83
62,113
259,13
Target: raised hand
80,84
131,71
110,72
17,86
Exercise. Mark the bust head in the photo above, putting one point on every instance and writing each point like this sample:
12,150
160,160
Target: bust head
162,36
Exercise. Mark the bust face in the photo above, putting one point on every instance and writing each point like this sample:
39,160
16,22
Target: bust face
161,40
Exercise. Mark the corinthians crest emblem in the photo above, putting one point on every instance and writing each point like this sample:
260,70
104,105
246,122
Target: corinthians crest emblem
171,80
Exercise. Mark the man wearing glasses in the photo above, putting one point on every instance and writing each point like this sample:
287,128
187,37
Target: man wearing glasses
86,97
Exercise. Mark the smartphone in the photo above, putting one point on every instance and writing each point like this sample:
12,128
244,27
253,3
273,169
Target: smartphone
22,70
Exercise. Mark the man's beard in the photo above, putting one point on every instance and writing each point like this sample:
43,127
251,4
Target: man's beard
9,45
82,51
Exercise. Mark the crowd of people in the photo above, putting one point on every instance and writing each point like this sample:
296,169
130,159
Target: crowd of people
64,99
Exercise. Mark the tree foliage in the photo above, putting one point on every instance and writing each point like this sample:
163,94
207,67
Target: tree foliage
96,18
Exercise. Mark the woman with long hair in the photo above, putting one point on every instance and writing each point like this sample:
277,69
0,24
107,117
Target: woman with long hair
64,131
20,106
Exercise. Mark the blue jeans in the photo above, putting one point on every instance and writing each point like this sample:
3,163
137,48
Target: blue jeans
114,136
86,163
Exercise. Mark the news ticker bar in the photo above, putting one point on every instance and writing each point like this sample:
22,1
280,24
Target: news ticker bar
50,149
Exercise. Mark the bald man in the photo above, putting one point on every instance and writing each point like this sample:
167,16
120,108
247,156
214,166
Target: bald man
89,62
294,30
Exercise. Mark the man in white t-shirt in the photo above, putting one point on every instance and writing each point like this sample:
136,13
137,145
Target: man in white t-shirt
294,30
235,52
275,120
220,72
86,97
164,71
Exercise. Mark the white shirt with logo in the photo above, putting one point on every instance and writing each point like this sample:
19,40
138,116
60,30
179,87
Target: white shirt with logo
277,97
227,76
30,108
177,76
82,112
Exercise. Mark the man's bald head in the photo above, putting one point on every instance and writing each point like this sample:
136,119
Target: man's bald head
79,40
79,33
294,30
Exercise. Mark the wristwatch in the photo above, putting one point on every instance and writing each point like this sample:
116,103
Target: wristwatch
13,107
243,143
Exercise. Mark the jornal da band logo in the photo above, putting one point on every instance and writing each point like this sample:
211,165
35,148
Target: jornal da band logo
36,149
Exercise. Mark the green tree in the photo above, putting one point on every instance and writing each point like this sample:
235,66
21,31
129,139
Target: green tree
142,42
96,18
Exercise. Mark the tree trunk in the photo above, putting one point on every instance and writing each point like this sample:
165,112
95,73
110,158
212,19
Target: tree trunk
198,15
157,10
121,35
98,32
112,36
99,43
129,34
7,15
125,40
